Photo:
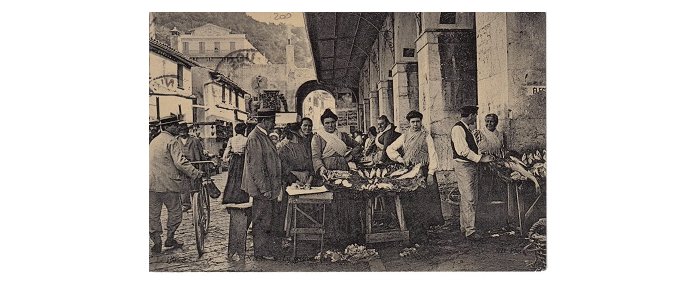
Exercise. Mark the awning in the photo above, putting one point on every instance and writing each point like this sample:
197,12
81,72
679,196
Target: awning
340,43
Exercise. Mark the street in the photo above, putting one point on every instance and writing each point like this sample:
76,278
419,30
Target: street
444,251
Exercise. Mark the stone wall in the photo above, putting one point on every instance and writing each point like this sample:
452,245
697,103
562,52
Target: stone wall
511,75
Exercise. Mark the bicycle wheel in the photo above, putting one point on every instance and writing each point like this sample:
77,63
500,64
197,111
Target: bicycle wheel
206,210
198,226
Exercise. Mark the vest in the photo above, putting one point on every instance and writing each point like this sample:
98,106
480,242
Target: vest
469,138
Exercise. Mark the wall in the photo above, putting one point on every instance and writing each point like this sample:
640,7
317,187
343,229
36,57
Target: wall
163,79
511,75
404,36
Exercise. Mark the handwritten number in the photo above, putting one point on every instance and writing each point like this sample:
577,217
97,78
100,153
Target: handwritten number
283,16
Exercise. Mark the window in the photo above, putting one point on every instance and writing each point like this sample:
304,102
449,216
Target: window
232,46
216,47
186,47
223,93
180,76
390,73
407,52
202,47
448,18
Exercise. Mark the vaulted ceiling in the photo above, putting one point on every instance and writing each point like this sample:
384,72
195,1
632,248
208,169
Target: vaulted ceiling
340,43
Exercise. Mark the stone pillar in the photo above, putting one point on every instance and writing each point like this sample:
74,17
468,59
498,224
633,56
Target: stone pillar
385,99
367,113
512,75
374,109
405,92
447,81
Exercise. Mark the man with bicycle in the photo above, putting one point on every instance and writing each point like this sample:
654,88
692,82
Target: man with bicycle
168,171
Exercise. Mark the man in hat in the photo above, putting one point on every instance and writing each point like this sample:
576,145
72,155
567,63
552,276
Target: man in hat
193,150
169,170
466,158
261,179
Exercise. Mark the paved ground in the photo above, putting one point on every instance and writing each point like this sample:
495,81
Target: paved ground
444,251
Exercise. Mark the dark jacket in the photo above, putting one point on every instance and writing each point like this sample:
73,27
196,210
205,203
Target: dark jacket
262,172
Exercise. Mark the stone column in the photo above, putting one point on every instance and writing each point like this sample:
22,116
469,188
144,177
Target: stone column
367,113
385,99
512,75
447,81
405,92
374,108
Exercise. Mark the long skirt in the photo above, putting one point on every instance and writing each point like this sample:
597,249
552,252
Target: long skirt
344,221
422,209
232,192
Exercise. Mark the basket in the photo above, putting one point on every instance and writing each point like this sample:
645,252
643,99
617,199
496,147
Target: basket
538,244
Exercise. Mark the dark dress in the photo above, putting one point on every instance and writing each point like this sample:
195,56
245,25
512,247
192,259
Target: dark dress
295,156
232,192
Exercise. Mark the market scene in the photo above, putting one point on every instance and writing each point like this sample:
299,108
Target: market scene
361,142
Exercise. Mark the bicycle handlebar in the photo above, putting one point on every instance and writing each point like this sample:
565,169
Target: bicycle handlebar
206,164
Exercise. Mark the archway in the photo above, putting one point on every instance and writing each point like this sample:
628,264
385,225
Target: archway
312,98
342,101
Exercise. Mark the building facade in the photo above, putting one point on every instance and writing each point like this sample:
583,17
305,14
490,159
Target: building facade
170,83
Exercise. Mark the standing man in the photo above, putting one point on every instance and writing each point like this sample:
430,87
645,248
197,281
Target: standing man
261,179
169,170
386,136
193,150
466,158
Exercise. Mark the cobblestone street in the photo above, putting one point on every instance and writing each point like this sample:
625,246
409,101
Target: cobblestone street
443,252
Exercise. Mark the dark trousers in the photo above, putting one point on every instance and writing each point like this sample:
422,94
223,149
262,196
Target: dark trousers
265,238
172,202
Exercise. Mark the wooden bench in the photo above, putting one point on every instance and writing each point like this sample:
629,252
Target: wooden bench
237,230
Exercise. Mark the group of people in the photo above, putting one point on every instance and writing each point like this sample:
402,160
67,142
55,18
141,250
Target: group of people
262,163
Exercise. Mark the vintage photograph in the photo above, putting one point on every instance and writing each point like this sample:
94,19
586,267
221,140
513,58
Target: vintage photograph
347,141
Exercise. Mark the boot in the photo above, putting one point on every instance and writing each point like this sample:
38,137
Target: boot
171,242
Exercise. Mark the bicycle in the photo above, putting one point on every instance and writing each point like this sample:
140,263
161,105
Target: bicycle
201,204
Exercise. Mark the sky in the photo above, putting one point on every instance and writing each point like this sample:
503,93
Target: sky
291,18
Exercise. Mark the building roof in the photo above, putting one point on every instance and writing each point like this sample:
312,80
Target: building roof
169,52
222,78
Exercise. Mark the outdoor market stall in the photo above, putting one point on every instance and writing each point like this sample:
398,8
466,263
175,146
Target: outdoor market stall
380,189
519,174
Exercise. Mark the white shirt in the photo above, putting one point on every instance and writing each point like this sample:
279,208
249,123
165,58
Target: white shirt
461,146
236,144
400,141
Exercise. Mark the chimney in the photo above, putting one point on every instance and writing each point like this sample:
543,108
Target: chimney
174,38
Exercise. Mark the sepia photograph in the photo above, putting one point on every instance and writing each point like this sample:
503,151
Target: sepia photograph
347,141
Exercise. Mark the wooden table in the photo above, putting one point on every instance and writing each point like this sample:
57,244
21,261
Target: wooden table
297,208
398,234
522,214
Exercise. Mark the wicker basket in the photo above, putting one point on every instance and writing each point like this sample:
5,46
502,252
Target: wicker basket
538,244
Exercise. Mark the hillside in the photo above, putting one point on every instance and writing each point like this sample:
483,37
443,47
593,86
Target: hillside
270,39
